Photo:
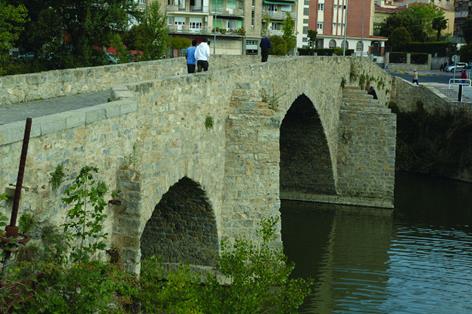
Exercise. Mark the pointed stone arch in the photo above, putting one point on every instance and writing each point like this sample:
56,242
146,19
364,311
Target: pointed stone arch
305,160
182,227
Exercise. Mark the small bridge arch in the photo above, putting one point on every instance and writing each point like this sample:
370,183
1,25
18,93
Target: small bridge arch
305,158
182,227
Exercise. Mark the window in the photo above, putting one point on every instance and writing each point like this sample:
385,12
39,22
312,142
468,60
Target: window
359,46
306,11
320,6
332,43
305,39
319,26
305,21
305,29
345,44
307,2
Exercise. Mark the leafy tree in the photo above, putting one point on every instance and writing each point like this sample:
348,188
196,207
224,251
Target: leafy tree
467,30
178,42
312,38
154,32
288,28
399,38
279,46
265,24
85,218
439,23
417,19
12,19
74,29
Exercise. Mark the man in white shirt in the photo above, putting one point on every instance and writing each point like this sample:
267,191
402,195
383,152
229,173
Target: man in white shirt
202,54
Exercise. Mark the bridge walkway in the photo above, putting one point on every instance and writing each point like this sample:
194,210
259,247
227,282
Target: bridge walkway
20,111
452,93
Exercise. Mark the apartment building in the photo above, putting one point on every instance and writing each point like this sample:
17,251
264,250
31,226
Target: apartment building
232,26
275,12
342,23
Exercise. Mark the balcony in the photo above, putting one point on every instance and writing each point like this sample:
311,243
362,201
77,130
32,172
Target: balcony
280,15
228,12
191,9
185,29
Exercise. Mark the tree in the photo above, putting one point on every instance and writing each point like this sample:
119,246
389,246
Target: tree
467,30
439,23
279,46
312,38
288,28
74,29
399,38
151,35
12,19
417,19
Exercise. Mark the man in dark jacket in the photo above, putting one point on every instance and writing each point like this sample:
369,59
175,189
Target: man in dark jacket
265,47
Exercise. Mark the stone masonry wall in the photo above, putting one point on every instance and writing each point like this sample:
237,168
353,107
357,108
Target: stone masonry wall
169,136
49,84
367,157
182,227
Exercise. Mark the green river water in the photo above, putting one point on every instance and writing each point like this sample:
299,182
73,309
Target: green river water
419,260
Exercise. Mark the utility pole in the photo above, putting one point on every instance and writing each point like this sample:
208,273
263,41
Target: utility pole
345,29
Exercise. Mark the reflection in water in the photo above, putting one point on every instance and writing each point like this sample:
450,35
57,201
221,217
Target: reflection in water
419,261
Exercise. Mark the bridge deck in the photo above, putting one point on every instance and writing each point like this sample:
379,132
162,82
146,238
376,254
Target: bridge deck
38,108
452,93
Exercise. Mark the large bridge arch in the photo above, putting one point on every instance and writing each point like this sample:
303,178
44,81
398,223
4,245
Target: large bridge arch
305,158
182,227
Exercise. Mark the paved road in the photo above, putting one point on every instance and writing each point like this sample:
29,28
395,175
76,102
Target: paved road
33,109
428,76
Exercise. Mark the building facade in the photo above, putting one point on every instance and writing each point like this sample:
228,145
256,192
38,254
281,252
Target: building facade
342,23
232,26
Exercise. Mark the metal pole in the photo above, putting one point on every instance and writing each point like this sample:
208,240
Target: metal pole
345,29
11,231
21,172
214,33
459,96
362,30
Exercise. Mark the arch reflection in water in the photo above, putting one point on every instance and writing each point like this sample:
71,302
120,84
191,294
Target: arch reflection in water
415,262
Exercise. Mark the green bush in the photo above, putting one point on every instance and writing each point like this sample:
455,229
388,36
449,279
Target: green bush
324,51
279,46
442,49
179,42
419,58
397,57
466,53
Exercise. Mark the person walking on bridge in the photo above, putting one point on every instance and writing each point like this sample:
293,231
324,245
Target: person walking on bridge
415,77
190,57
265,47
202,54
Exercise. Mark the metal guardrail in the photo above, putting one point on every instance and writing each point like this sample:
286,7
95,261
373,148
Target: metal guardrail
459,81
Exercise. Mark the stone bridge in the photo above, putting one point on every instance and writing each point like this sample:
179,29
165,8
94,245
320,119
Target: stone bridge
197,158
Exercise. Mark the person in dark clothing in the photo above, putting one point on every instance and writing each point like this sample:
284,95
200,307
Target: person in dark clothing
265,48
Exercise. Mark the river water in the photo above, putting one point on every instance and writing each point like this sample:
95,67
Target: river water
417,261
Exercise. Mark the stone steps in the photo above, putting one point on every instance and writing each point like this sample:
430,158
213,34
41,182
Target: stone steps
355,99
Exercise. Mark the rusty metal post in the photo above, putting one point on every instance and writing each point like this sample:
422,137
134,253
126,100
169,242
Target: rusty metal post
12,229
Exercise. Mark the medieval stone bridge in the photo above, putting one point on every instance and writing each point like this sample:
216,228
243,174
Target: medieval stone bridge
197,158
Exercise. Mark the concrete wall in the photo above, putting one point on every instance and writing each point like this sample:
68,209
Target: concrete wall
167,137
